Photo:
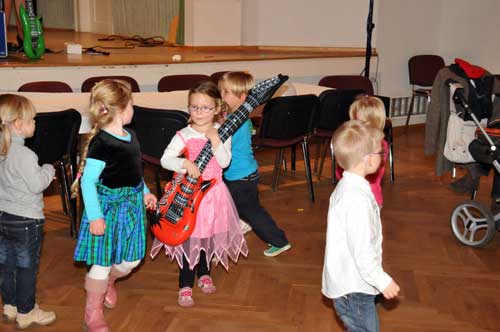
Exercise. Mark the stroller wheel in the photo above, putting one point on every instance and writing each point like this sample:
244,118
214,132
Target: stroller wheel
472,224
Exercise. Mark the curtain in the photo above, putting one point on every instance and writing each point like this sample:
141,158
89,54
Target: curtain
146,18
56,13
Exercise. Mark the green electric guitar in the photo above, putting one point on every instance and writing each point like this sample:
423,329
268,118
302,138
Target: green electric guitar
33,44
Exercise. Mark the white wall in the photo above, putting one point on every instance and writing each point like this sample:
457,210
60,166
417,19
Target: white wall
470,31
404,28
305,23
208,22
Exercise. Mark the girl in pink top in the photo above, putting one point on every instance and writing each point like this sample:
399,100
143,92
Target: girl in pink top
371,109
217,232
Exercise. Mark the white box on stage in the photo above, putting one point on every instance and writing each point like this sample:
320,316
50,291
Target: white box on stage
3,35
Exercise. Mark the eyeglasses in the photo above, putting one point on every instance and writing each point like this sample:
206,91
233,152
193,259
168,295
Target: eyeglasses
204,109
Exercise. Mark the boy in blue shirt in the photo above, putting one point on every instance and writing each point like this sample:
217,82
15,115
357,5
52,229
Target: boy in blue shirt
242,175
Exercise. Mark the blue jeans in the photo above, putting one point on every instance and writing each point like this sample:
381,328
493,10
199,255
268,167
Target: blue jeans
20,244
358,312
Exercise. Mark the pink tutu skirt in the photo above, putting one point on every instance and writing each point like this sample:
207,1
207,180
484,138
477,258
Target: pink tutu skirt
217,232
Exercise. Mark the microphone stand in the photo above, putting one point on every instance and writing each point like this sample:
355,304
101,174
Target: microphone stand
369,29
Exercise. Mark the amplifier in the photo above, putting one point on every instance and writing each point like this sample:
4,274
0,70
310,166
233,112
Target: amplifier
3,35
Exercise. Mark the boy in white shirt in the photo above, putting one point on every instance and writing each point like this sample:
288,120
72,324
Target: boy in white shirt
352,271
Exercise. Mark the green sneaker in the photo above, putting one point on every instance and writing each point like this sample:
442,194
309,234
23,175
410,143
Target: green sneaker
275,251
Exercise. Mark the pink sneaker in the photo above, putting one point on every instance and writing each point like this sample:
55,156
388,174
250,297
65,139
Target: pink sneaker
206,284
185,297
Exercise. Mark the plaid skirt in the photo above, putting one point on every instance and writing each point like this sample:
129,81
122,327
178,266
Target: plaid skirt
125,236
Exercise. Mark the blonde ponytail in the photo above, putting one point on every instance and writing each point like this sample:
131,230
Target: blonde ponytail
107,99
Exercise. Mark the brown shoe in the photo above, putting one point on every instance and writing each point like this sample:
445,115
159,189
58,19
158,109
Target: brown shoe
35,316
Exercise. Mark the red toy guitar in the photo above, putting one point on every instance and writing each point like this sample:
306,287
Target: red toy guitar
174,219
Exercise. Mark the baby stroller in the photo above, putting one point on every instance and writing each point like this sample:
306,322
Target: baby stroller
472,223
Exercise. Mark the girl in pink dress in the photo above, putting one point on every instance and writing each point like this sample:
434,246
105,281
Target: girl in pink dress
217,232
371,109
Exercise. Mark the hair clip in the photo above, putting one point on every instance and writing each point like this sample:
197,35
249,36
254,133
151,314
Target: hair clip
78,175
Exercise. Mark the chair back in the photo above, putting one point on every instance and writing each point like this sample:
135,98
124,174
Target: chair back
348,82
287,118
333,108
180,82
89,83
45,86
215,77
423,69
56,135
156,127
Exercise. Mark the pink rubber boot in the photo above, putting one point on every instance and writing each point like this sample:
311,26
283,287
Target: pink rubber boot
111,298
94,317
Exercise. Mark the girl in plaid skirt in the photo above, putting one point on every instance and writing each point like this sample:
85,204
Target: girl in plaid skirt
112,236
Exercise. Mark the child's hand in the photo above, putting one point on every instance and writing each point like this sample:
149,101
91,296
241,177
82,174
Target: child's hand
191,169
391,291
97,227
150,200
213,136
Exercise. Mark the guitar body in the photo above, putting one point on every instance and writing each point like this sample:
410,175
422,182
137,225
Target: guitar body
33,43
173,232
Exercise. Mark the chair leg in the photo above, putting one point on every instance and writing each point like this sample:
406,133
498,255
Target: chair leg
59,177
158,183
334,169
410,109
322,161
277,168
293,157
391,161
307,163
317,155
66,193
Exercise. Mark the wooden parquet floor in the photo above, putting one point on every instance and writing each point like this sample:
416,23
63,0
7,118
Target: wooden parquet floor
445,285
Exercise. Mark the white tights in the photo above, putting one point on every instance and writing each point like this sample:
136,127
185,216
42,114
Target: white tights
102,272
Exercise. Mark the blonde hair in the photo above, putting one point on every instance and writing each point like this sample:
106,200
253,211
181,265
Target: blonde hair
352,141
13,108
209,89
107,99
370,109
238,82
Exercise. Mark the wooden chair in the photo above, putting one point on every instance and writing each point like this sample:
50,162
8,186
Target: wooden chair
215,77
352,82
154,129
55,142
180,82
287,121
422,71
333,111
89,83
45,86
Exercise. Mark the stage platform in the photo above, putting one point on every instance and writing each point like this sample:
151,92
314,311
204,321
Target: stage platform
148,64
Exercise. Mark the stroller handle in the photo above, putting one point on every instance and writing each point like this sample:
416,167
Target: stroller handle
459,98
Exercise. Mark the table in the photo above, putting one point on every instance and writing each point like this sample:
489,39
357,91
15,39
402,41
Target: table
176,100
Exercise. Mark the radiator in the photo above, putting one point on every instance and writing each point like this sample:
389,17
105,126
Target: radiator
400,106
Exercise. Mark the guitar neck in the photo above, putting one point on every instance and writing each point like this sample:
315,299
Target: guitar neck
30,8
226,130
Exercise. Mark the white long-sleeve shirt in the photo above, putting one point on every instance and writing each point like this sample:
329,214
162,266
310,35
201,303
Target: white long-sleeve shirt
171,160
353,252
